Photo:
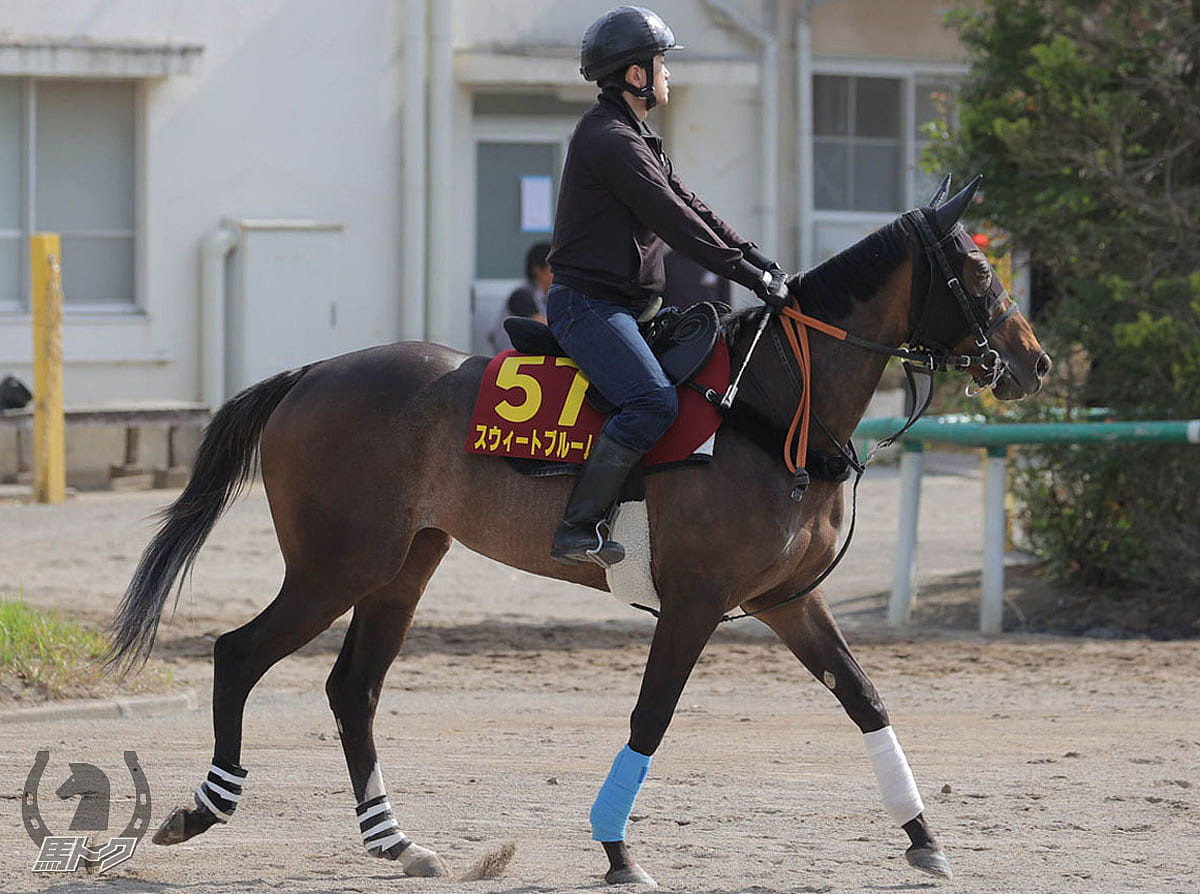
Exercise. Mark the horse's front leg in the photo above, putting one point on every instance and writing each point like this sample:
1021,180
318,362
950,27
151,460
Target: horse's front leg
678,642
808,629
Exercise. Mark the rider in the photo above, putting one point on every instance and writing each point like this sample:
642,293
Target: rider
619,200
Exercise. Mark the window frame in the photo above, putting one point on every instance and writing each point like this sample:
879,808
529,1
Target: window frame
852,141
28,222
846,225
909,74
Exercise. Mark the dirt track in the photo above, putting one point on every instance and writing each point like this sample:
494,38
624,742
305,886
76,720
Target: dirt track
1070,764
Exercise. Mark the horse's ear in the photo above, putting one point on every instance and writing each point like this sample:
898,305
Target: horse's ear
948,214
939,193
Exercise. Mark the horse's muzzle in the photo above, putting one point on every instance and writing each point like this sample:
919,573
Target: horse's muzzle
1014,385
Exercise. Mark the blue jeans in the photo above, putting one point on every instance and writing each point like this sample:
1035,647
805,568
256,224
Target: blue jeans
603,338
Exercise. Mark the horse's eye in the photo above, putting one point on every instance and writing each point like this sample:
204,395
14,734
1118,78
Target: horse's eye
980,272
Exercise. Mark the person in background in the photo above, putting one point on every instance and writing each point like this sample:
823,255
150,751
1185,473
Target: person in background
527,300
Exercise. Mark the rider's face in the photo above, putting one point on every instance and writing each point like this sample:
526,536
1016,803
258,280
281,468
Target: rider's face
662,77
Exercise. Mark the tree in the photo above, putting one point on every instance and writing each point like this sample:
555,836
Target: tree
1084,118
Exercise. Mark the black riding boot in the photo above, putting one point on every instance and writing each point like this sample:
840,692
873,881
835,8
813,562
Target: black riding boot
578,538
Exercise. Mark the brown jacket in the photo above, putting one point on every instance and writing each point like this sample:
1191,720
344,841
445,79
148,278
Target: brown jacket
619,201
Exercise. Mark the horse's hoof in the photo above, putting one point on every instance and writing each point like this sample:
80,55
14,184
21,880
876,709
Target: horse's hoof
931,860
173,828
630,875
424,863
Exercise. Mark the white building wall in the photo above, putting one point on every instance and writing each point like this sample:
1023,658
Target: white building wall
713,143
561,23
294,113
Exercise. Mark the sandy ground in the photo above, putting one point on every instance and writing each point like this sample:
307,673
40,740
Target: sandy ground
1046,764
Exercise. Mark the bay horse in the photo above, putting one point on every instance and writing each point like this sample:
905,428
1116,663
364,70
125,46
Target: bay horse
367,486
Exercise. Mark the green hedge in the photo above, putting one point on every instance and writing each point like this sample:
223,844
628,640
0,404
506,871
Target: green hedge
1085,120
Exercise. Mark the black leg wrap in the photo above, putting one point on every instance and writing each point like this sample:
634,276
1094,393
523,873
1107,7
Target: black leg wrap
221,790
381,833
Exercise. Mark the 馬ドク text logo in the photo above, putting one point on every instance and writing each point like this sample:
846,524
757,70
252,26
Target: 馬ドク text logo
66,853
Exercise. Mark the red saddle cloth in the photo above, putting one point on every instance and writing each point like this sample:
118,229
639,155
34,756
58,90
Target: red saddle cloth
532,406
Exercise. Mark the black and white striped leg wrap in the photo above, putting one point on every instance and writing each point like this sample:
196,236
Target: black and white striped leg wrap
221,790
381,834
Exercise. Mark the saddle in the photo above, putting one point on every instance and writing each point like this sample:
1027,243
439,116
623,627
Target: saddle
682,340
692,354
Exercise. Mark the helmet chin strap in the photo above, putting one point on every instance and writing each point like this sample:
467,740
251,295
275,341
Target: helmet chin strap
647,92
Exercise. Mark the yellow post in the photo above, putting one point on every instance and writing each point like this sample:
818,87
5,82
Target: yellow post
49,441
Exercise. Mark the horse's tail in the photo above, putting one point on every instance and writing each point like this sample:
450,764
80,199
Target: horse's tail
224,463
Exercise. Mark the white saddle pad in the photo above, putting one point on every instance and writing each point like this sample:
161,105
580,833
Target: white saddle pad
630,580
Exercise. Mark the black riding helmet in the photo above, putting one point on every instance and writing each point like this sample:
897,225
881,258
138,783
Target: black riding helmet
627,35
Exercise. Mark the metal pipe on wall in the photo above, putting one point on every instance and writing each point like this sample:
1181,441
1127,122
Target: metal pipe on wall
412,301
804,135
770,138
769,125
439,310
214,249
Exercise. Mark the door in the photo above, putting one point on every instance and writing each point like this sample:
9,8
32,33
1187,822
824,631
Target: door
516,190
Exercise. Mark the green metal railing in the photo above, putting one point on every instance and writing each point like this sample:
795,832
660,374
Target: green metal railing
968,431
995,438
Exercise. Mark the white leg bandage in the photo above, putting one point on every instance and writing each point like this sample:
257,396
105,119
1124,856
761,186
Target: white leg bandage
900,796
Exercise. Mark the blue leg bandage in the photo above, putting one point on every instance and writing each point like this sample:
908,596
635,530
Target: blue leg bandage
610,813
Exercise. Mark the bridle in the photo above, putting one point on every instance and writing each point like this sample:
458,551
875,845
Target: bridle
983,314
927,350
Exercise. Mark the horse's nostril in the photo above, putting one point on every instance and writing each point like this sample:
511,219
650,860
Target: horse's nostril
1043,365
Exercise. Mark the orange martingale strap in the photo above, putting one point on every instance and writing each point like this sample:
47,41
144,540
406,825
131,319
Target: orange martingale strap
796,324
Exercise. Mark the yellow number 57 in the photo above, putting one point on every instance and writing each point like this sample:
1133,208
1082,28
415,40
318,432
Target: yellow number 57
510,376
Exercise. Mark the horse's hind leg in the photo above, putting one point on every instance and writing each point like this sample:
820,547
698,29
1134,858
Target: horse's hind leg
304,607
808,629
376,635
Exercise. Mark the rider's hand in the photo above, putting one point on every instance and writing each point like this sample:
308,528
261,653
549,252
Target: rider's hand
769,285
773,289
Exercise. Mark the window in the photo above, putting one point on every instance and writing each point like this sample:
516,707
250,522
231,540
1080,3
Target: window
857,151
861,150
68,165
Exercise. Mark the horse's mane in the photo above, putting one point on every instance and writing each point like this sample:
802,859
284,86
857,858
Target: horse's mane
829,290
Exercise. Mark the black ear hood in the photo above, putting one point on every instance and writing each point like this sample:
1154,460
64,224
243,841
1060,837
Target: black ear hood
939,193
947,214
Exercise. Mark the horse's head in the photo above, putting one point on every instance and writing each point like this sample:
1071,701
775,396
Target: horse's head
959,306
90,785
85,781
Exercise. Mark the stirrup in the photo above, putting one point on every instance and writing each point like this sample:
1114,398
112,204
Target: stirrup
605,553
608,553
